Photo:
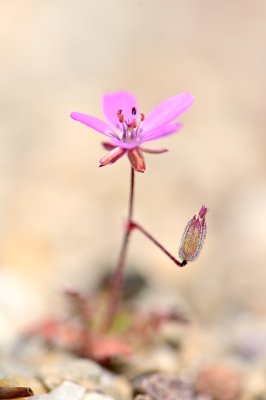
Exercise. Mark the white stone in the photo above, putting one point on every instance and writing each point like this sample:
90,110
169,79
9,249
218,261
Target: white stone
67,391
97,396
43,396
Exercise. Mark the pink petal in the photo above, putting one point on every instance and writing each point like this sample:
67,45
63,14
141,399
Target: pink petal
137,160
153,150
108,145
119,143
167,111
112,156
165,130
93,123
125,145
112,102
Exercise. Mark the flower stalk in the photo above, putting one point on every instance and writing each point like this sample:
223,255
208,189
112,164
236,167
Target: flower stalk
115,289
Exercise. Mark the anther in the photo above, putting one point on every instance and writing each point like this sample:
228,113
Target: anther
121,118
134,111
134,124
142,117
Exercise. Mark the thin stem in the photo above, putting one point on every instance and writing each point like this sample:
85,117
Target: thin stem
131,197
117,278
134,225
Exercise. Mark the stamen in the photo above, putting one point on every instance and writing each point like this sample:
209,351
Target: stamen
130,129
142,117
134,124
121,118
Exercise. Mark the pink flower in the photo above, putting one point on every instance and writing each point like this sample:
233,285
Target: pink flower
128,129
193,236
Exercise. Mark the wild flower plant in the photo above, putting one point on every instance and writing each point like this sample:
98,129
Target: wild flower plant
128,131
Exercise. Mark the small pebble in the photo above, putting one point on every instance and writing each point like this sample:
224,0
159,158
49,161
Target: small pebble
68,391
219,382
161,386
65,391
97,396
43,396
87,374
142,397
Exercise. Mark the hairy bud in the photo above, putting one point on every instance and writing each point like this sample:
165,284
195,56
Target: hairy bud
193,236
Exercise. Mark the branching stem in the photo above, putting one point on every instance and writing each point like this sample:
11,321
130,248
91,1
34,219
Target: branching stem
115,290
135,225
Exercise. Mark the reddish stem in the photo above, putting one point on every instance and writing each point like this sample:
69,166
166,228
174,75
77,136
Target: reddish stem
117,278
115,290
133,225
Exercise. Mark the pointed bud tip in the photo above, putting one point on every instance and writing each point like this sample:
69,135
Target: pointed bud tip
203,211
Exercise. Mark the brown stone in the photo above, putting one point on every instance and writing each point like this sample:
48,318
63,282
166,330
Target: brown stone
219,382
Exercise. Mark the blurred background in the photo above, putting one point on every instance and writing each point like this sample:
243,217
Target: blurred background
61,216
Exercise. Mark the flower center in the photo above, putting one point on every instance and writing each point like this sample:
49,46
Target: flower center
130,128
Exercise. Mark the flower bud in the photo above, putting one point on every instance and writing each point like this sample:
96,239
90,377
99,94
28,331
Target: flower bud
193,236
